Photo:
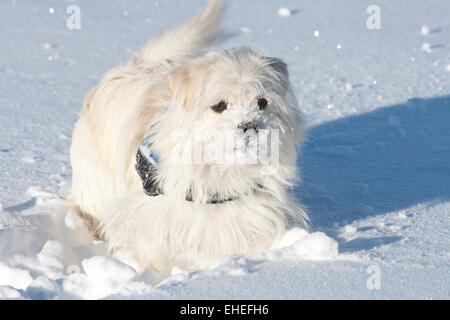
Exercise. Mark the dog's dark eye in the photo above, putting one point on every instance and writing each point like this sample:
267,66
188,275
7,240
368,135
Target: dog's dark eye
220,107
262,103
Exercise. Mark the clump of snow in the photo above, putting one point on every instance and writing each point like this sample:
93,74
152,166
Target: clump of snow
310,246
51,11
424,30
103,268
402,215
316,33
8,292
177,274
14,277
246,30
103,276
73,221
42,288
426,47
28,159
284,12
349,229
42,197
237,272
176,270
76,285
51,255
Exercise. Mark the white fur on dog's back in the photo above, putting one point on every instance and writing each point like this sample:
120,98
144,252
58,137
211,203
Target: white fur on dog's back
186,40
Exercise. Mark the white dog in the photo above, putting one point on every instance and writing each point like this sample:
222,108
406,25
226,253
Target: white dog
166,207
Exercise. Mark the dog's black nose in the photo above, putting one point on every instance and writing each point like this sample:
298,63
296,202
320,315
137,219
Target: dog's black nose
247,126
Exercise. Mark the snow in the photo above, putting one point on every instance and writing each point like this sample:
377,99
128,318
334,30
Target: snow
15,277
102,276
284,12
375,169
7,292
426,47
310,246
424,30
245,30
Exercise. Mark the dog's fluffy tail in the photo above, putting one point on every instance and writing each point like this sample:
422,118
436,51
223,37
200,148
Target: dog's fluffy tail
185,40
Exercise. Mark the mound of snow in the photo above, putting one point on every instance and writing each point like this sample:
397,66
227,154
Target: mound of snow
424,30
43,288
103,276
15,277
309,246
284,12
8,292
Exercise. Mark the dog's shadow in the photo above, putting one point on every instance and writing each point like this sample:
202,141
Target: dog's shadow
377,162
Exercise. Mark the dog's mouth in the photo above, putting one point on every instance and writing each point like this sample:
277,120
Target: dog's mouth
251,149
245,143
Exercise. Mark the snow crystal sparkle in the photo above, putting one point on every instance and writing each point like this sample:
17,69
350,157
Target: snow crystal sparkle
284,12
426,47
424,30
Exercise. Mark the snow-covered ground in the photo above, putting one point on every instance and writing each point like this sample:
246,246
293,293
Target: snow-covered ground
375,167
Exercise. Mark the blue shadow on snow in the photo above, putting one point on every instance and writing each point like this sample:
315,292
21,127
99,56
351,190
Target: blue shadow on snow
376,162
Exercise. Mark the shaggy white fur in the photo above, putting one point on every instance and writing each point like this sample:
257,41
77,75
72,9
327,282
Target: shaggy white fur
169,87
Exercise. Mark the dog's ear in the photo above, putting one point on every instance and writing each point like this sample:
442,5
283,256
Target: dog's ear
186,84
278,66
280,71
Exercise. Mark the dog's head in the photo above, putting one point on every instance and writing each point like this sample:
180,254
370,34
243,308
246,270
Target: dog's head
233,124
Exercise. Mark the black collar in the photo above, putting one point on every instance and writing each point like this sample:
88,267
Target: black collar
147,171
